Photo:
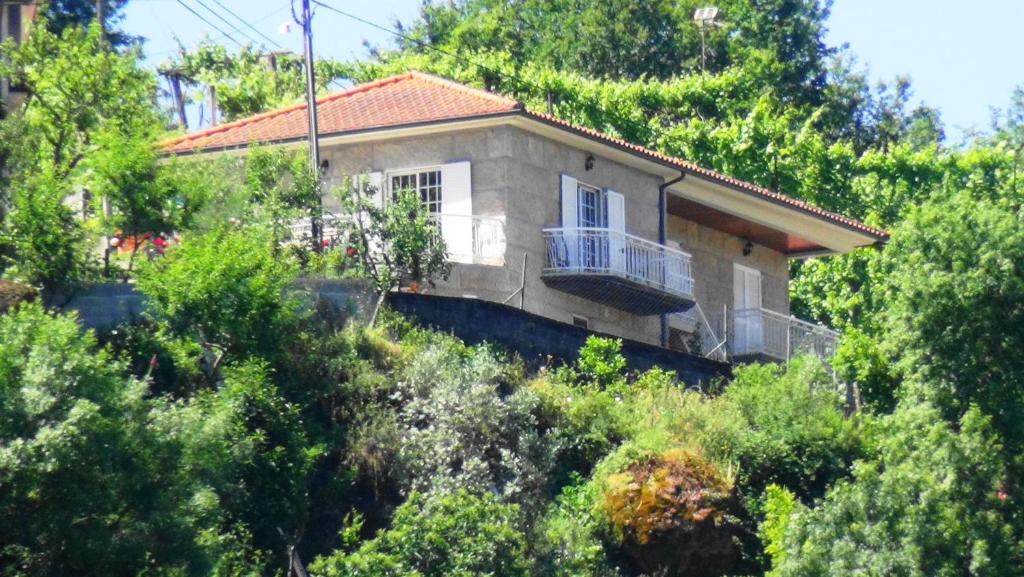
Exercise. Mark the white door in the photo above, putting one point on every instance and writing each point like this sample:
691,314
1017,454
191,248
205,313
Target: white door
748,323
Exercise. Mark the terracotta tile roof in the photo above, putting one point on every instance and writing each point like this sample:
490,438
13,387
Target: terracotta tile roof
414,98
409,98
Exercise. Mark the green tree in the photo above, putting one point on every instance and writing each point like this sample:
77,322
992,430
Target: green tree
931,502
954,317
228,290
250,81
439,535
86,484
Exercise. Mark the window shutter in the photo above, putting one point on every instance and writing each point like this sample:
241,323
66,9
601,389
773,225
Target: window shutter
373,187
616,229
570,204
457,211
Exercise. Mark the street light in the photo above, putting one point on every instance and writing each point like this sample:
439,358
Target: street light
706,16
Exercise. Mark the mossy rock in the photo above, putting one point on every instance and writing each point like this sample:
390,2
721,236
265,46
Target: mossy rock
672,514
12,293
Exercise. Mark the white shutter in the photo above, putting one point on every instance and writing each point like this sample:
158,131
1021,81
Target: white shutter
373,187
457,211
616,229
570,203
570,220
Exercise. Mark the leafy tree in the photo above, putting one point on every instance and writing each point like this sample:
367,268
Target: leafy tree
931,502
85,483
43,240
227,289
397,243
250,81
955,315
436,535
59,15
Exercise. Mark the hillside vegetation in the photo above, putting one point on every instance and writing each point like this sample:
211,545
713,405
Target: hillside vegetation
235,430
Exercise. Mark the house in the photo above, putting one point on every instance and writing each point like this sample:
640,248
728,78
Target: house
570,224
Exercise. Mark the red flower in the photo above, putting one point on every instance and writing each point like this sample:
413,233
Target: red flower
350,251
1001,495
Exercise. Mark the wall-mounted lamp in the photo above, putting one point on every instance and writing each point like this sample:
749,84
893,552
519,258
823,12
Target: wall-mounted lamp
325,165
748,248
589,163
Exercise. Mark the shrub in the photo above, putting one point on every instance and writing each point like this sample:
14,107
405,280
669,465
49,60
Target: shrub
932,502
226,288
601,363
673,512
12,293
567,540
439,535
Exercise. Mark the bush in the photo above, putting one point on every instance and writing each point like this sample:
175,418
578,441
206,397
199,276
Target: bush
933,502
12,294
226,288
673,512
567,540
439,535
601,363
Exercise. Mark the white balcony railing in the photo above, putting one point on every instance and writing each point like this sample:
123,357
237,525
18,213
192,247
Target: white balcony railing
472,239
705,340
764,332
468,239
600,251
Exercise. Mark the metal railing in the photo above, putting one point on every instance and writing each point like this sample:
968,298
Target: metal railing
472,239
601,251
705,340
760,331
468,239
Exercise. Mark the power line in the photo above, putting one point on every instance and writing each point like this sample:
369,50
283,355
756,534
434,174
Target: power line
208,23
247,24
225,20
423,44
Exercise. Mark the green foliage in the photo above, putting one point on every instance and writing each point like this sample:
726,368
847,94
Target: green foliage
227,289
927,504
779,506
397,243
88,484
44,244
567,539
435,535
250,81
955,315
600,363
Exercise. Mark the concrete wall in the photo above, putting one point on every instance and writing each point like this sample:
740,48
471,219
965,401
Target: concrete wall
516,177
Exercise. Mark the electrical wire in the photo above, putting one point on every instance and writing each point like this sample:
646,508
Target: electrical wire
208,23
247,24
225,20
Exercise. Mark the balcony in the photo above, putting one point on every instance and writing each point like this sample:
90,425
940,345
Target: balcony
619,270
760,334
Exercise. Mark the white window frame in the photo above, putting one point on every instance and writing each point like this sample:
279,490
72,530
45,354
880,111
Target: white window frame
601,210
434,207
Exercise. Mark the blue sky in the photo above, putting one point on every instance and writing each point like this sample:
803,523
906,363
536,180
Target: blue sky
963,57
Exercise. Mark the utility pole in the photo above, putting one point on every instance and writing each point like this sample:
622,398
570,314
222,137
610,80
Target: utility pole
314,145
101,17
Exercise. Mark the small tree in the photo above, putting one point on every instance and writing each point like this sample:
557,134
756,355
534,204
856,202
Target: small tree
397,243
227,289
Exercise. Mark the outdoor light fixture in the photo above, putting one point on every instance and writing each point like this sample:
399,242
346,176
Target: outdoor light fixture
705,16
748,248
589,163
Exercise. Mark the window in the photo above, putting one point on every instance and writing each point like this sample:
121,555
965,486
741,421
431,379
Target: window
581,322
14,22
592,207
427,183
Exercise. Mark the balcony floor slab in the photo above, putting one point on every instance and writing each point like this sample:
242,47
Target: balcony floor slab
617,292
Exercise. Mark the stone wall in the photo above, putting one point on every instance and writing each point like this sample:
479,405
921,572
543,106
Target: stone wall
108,305
539,340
